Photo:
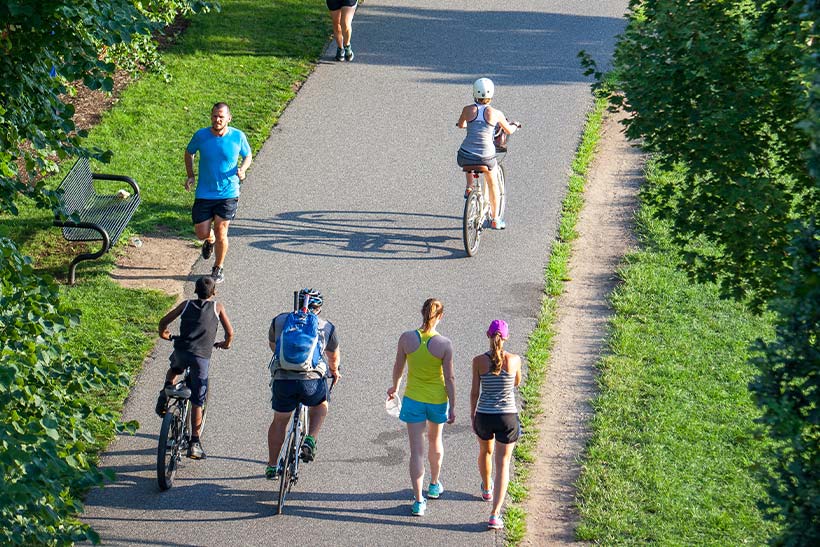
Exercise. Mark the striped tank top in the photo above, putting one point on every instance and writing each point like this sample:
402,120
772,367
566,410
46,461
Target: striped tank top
497,393
425,376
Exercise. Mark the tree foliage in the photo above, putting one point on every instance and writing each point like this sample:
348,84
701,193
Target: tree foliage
44,48
47,423
45,414
718,86
788,387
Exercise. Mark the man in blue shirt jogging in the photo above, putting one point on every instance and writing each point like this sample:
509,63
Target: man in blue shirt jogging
217,187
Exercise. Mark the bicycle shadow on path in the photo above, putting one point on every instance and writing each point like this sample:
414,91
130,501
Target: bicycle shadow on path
389,235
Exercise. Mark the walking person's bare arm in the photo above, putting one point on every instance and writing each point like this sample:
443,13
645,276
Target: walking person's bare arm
449,381
398,367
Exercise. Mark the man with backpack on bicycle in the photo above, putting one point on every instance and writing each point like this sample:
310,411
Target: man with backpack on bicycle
305,352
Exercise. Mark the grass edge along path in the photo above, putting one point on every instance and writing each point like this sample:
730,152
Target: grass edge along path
539,342
675,453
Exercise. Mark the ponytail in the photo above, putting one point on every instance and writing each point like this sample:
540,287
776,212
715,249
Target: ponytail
496,353
431,310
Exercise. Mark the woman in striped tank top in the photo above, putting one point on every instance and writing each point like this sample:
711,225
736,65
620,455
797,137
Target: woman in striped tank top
496,374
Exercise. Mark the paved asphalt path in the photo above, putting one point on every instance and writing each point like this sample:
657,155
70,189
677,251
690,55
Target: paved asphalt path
357,193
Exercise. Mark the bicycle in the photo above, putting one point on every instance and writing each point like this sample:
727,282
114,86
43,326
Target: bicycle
289,456
477,209
176,430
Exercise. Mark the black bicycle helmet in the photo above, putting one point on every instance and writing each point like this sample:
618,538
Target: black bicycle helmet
310,298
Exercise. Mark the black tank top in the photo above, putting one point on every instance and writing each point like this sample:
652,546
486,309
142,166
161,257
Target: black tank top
197,329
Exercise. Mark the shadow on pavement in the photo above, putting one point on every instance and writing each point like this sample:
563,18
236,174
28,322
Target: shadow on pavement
385,235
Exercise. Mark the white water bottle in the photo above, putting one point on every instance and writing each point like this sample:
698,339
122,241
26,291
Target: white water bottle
393,406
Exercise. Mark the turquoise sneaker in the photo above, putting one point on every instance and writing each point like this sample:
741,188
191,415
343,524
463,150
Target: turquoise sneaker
419,507
435,490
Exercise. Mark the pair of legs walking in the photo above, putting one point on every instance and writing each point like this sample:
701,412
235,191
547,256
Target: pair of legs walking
342,31
495,455
435,454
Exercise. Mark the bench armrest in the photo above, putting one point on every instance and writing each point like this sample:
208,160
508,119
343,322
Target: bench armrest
122,178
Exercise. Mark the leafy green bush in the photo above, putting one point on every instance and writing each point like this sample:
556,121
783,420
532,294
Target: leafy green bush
45,419
788,389
49,45
718,86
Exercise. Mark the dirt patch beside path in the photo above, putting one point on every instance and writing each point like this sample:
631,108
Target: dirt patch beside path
161,263
605,235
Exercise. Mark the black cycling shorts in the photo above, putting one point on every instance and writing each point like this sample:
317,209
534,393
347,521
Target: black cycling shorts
505,428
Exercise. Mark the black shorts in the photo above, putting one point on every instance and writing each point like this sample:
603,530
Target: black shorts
505,428
207,209
334,5
198,378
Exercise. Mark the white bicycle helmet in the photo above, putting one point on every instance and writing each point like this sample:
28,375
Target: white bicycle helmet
483,88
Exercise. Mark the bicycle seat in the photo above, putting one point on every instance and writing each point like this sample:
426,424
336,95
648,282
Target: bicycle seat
179,391
474,168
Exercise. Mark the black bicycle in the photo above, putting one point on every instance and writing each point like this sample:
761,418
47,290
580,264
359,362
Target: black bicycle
176,430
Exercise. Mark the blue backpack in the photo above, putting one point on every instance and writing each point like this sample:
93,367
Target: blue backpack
297,347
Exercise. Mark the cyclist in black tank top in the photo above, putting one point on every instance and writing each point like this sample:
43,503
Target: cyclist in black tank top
199,320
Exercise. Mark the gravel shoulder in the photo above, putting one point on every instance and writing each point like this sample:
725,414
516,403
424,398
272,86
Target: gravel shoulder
605,236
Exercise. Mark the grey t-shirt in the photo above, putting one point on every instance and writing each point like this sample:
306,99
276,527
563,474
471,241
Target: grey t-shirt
328,341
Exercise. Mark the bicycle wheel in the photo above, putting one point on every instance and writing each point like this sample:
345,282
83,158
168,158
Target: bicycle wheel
287,468
170,443
502,191
471,223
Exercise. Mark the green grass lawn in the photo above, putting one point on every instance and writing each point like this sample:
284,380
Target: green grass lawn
675,448
253,55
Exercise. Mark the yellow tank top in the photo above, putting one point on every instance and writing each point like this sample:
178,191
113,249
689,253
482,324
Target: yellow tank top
425,376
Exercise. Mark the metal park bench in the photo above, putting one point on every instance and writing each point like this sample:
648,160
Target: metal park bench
92,216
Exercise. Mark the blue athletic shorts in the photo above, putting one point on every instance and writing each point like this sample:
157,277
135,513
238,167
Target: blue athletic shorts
198,378
207,209
413,412
286,394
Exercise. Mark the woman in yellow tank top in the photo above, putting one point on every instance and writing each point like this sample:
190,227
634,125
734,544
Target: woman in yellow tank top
429,397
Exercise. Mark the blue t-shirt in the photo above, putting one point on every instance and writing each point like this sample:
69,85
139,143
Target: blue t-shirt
218,158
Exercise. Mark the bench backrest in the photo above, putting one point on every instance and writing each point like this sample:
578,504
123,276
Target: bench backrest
77,187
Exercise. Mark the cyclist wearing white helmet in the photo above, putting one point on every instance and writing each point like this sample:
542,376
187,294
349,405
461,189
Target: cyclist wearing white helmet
480,120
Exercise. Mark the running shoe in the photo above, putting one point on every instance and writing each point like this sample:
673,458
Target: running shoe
498,224
308,451
218,274
487,495
495,523
348,53
195,451
207,249
435,490
162,402
419,507
272,472
340,54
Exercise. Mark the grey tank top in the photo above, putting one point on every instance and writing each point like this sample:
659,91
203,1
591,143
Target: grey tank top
479,139
497,393
197,328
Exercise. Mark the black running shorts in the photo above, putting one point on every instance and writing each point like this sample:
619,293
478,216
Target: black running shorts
505,428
